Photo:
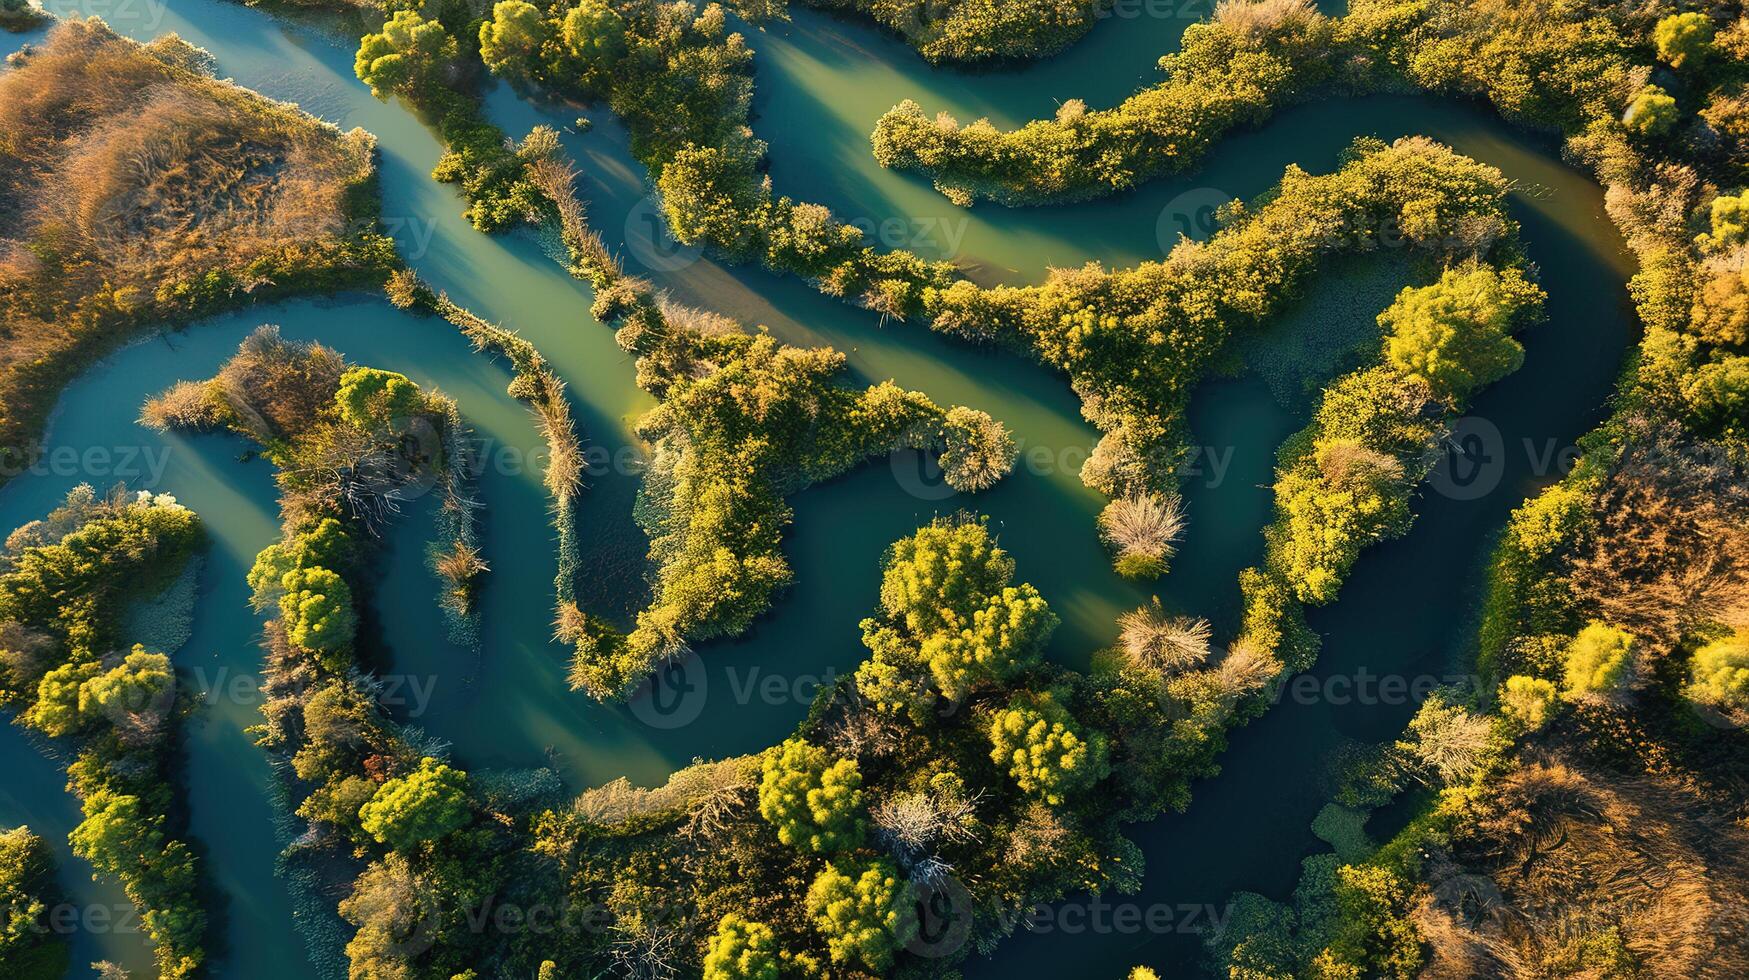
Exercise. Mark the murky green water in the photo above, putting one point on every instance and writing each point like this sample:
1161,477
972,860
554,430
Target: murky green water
821,84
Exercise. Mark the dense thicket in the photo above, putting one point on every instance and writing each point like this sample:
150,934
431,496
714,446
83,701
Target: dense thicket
67,670
1234,70
29,949
956,768
1548,65
979,30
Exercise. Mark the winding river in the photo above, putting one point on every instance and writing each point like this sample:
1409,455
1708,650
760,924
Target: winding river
821,84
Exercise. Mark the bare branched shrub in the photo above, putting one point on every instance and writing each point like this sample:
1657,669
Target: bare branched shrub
908,821
652,952
458,567
1447,740
564,477
185,406
700,785
1247,667
569,623
865,733
912,823
1143,525
1155,641
697,322
273,386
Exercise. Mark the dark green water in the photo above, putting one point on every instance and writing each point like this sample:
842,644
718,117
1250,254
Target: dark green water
821,85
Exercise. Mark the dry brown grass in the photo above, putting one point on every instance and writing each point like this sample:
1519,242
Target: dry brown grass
135,190
1671,545
1557,859
1255,18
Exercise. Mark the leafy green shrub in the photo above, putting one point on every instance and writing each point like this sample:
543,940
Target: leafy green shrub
1529,702
1651,113
741,950
419,808
1729,221
1721,309
406,57
951,624
1456,335
814,800
1719,675
317,605
595,35
1045,751
857,907
1599,660
326,544
371,398
1684,39
511,41
1375,935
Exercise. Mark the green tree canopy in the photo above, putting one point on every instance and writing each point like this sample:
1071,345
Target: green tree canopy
511,41
814,800
1042,748
370,398
936,579
1684,39
857,908
1651,113
1730,219
1528,702
118,832
1456,335
1006,635
142,682
952,624
327,544
408,54
1719,675
594,34
423,806
56,711
317,606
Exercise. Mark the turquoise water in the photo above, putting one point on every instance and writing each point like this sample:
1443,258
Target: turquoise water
821,85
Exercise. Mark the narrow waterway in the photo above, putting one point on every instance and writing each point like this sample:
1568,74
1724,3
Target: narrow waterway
821,84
